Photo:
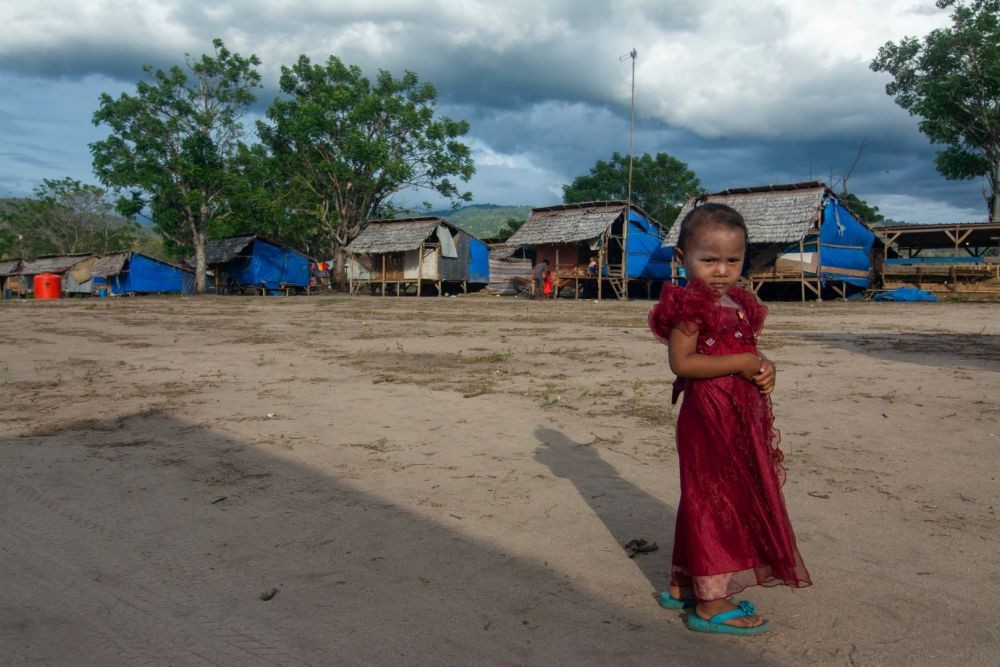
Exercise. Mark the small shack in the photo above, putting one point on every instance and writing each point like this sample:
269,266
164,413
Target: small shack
11,282
949,259
568,235
242,263
510,270
408,253
135,273
73,270
801,236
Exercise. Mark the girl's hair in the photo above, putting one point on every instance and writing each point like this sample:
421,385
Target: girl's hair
707,214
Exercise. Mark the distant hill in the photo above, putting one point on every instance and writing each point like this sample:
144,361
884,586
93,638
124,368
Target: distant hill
483,220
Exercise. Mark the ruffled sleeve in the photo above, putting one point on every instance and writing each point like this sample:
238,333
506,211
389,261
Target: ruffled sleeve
691,307
751,305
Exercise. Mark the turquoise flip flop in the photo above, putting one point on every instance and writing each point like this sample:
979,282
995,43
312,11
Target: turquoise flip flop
668,601
717,625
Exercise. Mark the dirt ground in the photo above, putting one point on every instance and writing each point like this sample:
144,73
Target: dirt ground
451,481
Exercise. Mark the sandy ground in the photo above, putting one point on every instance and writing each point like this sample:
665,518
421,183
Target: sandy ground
450,481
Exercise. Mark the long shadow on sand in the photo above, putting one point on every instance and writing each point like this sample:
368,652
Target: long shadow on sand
980,351
627,511
148,539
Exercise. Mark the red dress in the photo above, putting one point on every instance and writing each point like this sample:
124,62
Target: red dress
732,526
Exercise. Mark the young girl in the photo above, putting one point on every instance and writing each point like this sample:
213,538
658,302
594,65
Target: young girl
732,527
547,285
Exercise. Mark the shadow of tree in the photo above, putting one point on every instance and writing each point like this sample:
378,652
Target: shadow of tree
951,349
150,539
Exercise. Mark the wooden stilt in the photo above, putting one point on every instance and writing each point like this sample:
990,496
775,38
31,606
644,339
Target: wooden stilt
420,269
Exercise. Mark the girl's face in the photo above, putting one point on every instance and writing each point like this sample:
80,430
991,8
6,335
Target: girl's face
714,255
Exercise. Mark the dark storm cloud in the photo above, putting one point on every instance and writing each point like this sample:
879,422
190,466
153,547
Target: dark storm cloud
744,93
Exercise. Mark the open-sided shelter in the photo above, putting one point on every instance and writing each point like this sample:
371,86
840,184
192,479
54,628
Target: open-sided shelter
800,234
253,262
135,273
411,252
568,235
952,259
73,270
12,283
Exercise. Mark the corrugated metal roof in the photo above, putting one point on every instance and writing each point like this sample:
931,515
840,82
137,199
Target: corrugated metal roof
54,264
774,214
382,236
109,265
8,267
567,223
221,251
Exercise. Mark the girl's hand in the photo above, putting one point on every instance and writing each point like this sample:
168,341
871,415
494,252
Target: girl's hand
764,378
750,366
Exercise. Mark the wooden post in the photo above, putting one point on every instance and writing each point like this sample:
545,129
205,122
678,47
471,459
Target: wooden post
600,263
555,277
383,274
802,268
819,263
420,268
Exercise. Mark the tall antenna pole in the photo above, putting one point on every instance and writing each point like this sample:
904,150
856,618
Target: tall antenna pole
631,127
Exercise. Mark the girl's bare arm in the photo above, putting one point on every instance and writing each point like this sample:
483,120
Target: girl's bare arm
686,362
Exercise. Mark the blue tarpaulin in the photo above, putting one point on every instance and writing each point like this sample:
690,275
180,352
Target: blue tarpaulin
270,266
479,261
906,294
846,247
648,258
141,274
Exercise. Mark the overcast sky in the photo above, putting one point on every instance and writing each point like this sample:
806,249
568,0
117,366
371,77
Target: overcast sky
746,93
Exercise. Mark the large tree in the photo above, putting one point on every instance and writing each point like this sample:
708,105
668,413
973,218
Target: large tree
660,184
951,80
65,216
173,143
345,145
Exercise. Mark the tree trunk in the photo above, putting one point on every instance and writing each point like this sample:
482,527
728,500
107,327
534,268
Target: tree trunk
339,273
201,269
995,183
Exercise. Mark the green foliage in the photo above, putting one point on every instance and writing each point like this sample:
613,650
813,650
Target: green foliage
864,211
660,184
508,228
173,145
486,221
951,80
64,217
344,145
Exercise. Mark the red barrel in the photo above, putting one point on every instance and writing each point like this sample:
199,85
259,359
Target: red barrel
48,286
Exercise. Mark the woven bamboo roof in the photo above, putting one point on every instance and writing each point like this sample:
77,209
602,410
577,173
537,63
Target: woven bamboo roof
109,265
221,251
773,213
381,236
567,223
8,267
51,264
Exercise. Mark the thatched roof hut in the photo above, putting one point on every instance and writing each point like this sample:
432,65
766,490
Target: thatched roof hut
800,234
409,252
568,235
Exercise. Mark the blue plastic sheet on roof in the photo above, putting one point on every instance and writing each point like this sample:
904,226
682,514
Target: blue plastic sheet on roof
846,247
142,274
908,294
271,267
648,259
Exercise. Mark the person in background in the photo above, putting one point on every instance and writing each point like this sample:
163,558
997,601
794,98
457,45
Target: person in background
538,274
